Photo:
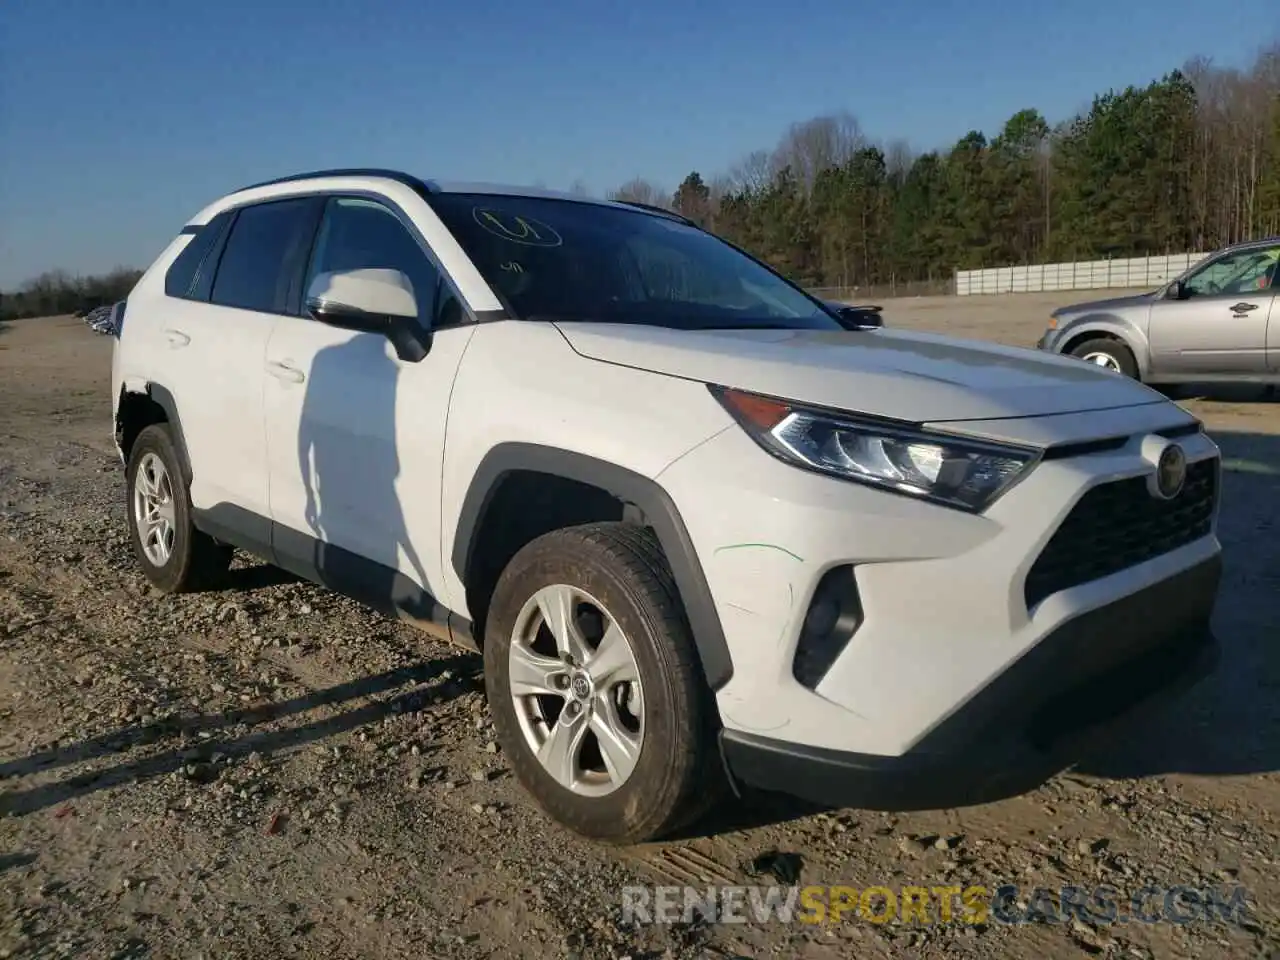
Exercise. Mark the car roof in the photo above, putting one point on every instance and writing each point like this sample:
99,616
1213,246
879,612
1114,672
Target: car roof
1250,244
427,187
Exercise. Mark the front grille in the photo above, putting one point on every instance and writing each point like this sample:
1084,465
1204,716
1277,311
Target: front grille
1119,525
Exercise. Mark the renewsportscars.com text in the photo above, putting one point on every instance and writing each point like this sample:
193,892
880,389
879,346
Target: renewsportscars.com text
975,904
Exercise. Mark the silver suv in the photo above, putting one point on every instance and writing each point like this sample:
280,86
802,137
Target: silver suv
1212,323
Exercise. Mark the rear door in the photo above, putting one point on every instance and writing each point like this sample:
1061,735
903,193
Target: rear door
217,336
1220,327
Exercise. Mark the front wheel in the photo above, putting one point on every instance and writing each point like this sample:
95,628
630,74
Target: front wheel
594,685
1109,354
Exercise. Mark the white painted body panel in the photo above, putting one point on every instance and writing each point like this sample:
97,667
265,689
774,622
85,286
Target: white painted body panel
521,383
355,449
217,383
890,373
210,360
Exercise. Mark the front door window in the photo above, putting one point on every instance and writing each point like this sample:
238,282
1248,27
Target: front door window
1236,274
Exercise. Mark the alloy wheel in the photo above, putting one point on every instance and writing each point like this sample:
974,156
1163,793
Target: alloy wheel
153,509
576,687
1100,359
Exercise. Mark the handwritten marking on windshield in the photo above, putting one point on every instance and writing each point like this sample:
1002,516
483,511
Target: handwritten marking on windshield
516,228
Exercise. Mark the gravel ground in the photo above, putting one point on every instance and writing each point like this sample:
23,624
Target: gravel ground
271,771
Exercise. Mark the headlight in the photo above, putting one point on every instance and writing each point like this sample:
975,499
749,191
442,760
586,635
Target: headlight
956,471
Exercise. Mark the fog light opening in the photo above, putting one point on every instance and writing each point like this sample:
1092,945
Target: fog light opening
834,615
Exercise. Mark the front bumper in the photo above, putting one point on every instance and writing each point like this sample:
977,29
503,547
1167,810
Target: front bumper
950,602
1030,722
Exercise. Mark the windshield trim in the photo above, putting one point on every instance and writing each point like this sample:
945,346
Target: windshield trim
640,211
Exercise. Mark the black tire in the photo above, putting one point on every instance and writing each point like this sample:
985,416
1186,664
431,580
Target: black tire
1121,355
196,561
678,773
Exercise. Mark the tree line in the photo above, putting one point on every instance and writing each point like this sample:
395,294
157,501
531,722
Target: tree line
58,292
1189,162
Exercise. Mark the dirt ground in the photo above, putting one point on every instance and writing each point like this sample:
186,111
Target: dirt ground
271,771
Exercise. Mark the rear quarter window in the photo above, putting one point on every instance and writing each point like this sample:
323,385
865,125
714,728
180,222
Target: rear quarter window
180,278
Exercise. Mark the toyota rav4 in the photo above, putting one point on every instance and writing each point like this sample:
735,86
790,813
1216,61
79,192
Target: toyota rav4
706,530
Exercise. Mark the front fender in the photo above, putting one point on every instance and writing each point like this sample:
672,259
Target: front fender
1129,330
655,505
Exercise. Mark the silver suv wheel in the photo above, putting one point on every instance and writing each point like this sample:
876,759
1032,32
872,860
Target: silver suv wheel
1102,360
575,684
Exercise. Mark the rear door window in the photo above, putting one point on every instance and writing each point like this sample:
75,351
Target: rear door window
261,255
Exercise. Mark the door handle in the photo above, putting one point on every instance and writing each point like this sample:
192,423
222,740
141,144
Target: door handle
1243,307
176,338
286,372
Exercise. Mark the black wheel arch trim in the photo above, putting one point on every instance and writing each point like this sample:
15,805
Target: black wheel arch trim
161,396
633,489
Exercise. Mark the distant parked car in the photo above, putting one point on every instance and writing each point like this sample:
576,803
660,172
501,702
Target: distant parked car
1218,321
104,319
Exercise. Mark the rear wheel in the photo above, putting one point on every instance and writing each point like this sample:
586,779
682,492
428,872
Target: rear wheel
1109,354
594,685
175,556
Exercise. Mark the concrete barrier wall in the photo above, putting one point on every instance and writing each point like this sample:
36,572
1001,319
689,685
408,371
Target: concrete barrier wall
1083,275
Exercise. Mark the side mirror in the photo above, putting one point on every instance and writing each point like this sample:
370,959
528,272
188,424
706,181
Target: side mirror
1177,290
371,301
860,317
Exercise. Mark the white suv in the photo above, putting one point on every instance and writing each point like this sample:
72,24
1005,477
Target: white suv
704,529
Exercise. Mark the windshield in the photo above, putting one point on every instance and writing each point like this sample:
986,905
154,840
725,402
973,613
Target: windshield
552,259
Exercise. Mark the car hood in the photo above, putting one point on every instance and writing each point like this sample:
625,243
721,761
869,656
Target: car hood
905,375
1103,306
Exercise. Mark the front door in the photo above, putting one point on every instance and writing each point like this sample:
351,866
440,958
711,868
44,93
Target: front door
1220,325
355,435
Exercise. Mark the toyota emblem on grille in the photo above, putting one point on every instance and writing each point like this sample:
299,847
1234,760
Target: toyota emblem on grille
1171,472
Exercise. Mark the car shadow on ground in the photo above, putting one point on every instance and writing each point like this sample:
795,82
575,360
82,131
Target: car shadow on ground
10,860
1227,725
752,810
452,676
256,576
1223,392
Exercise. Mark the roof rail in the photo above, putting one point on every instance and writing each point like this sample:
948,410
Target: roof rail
397,175
1252,242
654,208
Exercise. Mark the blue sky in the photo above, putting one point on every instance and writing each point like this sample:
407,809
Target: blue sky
120,119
